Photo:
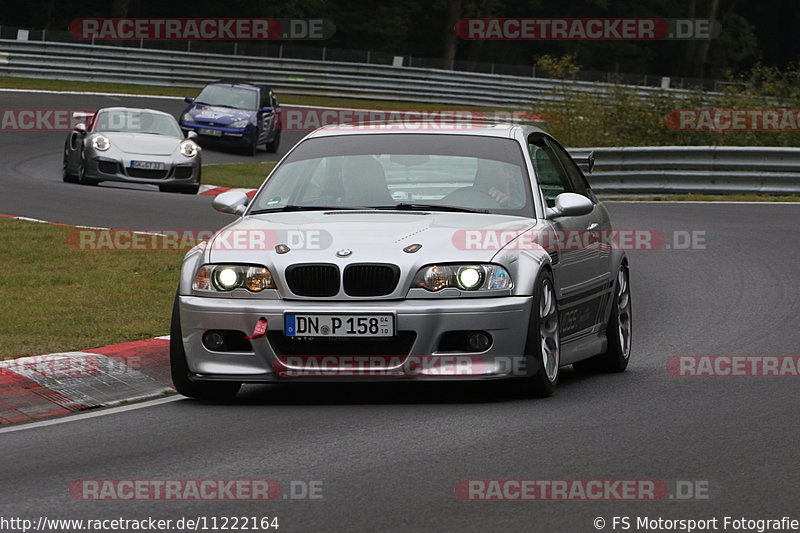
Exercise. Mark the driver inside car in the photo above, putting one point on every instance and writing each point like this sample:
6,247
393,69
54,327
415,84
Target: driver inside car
501,181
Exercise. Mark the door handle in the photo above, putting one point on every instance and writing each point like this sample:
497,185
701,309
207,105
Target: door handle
592,229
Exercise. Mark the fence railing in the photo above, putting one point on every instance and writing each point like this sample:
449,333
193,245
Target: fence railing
320,51
695,169
82,62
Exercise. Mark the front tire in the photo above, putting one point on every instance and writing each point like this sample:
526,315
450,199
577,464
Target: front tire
180,369
82,179
253,147
618,331
65,175
543,345
273,145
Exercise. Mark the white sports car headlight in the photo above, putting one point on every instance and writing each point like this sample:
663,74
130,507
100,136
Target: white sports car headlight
477,277
101,143
240,124
225,278
189,148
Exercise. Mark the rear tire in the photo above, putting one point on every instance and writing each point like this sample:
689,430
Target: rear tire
180,369
618,331
543,344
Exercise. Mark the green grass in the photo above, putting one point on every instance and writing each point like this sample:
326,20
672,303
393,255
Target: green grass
8,82
744,197
56,298
245,175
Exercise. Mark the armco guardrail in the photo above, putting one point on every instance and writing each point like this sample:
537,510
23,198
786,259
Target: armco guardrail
698,169
83,62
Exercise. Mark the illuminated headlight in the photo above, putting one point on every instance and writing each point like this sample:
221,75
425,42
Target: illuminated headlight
479,277
226,278
187,117
189,148
101,143
240,124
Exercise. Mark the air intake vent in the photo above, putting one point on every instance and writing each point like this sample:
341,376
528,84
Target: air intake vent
370,279
319,279
554,258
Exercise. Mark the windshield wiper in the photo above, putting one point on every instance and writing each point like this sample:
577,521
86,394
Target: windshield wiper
430,207
286,208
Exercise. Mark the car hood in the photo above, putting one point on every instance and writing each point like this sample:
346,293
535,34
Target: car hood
143,143
218,115
370,236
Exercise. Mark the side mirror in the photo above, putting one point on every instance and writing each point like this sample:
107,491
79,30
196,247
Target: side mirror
192,135
80,128
569,204
231,202
188,100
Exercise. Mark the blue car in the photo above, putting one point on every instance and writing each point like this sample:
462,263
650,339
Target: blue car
234,114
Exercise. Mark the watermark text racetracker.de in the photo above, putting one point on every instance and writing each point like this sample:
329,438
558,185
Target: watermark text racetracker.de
89,239
577,240
208,29
600,29
42,119
310,119
734,365
581,489
732,120
194,490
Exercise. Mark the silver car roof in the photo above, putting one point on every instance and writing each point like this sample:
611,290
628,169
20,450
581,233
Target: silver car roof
487,129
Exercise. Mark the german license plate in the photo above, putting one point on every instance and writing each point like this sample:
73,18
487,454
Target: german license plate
148,165
207,131
311,325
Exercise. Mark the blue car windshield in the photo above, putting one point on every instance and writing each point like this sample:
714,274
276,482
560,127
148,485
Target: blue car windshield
134,121
228,96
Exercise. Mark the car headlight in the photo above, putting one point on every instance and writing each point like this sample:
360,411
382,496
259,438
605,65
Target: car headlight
101,143
225,278
477,277
240,124
187,117
189,148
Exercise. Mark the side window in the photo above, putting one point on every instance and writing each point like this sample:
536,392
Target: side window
576,178
550,173
264,101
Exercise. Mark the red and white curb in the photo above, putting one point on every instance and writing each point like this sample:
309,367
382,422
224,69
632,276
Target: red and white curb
60,383
213,190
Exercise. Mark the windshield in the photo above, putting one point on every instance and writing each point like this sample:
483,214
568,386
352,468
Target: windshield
400,171
227,96
138,122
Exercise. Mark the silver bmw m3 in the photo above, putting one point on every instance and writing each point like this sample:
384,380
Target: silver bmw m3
418,253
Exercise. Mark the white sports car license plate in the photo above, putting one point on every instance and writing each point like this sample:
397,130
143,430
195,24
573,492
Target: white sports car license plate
303,325
148,165
207,131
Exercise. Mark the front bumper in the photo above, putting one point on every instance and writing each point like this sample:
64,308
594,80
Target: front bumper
505,319
108,169
235,137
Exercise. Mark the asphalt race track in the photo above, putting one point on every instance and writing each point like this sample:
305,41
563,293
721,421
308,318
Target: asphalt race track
30,176
389,456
